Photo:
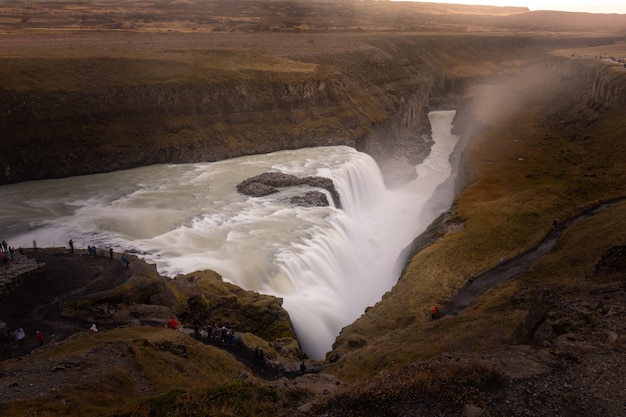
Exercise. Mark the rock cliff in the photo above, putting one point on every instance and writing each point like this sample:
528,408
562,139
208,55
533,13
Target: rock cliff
63,116
111,127
607,77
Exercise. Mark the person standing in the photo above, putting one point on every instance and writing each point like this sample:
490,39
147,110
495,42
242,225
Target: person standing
39,337
434,312
71,243
20,335
111,253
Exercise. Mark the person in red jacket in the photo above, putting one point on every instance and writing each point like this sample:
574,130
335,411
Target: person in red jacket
434,312
39,337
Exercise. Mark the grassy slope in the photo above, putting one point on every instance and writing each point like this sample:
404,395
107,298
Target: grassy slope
140,362
546,156
84,72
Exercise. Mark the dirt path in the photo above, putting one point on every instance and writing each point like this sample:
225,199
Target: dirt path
513,267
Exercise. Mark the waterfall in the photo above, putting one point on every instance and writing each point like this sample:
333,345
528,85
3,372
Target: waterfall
327,264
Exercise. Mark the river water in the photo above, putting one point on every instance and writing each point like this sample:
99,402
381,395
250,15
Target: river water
327,264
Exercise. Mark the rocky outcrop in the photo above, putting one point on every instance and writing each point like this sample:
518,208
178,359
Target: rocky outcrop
270,182
204,299
12,273
570,324
210,99
310,199
612,262
198,299
58,133
608,78
81,289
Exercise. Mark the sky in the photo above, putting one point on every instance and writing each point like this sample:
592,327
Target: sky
590,6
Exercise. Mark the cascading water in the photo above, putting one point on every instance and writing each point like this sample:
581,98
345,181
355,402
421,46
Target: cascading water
327,264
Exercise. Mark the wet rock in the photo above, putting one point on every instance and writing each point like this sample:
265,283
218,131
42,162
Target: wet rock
310,199
270,183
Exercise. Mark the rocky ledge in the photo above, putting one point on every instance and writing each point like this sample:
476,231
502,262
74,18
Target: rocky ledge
271,182
77,289
13,272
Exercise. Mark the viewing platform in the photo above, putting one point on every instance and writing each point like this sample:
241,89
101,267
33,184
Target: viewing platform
13,272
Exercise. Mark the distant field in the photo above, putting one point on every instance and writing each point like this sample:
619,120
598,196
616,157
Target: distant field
226,16
229,16
616,51
77,73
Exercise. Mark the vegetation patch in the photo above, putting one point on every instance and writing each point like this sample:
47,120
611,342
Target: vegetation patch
237,398
422,388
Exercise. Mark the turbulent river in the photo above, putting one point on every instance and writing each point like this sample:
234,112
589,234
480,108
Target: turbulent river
327,264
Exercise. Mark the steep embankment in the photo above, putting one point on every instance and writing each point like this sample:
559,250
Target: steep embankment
74,111
77,116
550,147
607,78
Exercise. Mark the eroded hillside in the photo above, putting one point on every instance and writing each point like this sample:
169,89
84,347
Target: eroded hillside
550,147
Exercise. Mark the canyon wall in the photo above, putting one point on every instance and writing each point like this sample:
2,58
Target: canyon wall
607,76
76,116
57,133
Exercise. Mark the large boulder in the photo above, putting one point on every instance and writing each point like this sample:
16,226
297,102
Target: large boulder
270,183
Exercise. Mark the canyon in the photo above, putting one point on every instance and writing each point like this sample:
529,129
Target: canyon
540,101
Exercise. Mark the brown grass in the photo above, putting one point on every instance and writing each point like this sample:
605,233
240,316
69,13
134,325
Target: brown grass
87,73
424,389
142,354
526,170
